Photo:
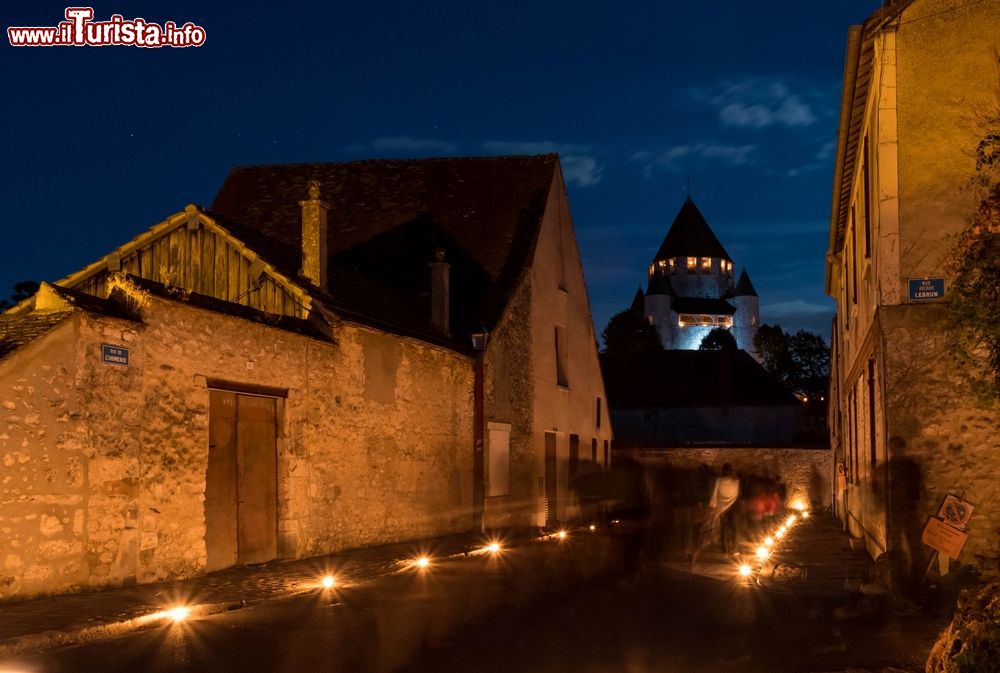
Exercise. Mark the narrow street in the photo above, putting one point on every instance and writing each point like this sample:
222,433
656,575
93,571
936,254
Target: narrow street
796,616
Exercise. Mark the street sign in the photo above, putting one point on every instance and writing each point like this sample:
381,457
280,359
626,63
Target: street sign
947,540
955,511
114,355
926,289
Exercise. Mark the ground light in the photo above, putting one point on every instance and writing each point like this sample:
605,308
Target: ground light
422,562
790,520
593,527
493,547
762,553
780,533
178,614
745,570
768,541
562,535
805,514
328,582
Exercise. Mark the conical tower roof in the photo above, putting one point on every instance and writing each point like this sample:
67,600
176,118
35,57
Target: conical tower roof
638,302
744,288
690,236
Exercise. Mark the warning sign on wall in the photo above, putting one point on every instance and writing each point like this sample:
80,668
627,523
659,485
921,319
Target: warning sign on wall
947,540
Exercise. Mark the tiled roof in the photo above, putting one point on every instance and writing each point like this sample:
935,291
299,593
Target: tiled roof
682,378
16,331
704,305
387,217
744,288
690,236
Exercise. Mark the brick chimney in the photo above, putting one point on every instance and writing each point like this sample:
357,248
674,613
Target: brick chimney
314,231
440,292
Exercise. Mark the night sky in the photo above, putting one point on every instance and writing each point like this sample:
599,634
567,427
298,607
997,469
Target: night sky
741,98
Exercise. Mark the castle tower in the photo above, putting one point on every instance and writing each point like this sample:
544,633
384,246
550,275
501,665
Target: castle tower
747,316
689,280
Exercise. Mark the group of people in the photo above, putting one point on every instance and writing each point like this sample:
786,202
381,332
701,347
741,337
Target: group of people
695,510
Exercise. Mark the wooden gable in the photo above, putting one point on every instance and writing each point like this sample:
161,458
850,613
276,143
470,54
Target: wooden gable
192,252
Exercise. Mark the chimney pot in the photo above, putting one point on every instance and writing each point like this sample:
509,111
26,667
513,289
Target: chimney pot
440,293
314,235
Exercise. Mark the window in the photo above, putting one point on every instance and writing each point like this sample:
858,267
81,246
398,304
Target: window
498,450
593,450
706,265
597,413
561,356
651,269
606,456
867,202
729,268
574,458
871,414
692,263
854,257
672,263
662,264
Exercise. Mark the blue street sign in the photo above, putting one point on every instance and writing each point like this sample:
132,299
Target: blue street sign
114,355
924,289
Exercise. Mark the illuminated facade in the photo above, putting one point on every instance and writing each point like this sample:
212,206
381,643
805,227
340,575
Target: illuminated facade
905,427
292,372
690,288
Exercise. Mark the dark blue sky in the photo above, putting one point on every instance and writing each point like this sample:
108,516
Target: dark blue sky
101,143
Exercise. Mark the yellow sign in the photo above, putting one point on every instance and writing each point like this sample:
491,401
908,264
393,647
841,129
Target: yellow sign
947,540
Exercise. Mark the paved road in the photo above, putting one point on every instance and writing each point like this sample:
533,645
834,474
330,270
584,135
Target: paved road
666,621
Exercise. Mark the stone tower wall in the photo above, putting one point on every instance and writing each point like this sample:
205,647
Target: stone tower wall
658,306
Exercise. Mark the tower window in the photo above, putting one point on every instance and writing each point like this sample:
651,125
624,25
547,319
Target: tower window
692,263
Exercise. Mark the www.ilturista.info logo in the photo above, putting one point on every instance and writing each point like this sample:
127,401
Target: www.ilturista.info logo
80,30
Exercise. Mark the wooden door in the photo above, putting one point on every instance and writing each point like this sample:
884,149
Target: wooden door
257,479
241,493
551,483
220,482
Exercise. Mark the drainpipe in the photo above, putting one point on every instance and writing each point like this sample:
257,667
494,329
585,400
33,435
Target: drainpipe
479,341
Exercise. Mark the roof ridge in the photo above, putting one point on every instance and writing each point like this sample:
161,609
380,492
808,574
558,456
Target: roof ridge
360,162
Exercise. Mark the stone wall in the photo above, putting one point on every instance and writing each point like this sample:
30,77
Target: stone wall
805,472
44,468
726,425
104,467
934,420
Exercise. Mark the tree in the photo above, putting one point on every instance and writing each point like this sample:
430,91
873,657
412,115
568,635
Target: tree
22,291
810,357
975,297
771,343
627,332
801,361
718,339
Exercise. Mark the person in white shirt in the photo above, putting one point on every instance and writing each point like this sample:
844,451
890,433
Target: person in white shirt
725,493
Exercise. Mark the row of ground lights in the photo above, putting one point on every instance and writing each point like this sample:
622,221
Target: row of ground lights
767,546
329,582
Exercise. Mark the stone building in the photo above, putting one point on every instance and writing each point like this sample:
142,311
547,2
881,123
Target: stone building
690,288
906,429
330,356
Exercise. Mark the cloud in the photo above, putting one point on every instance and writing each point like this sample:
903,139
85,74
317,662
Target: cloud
405,145
796,307
679,157
800,314
755,102
579,165
820,161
